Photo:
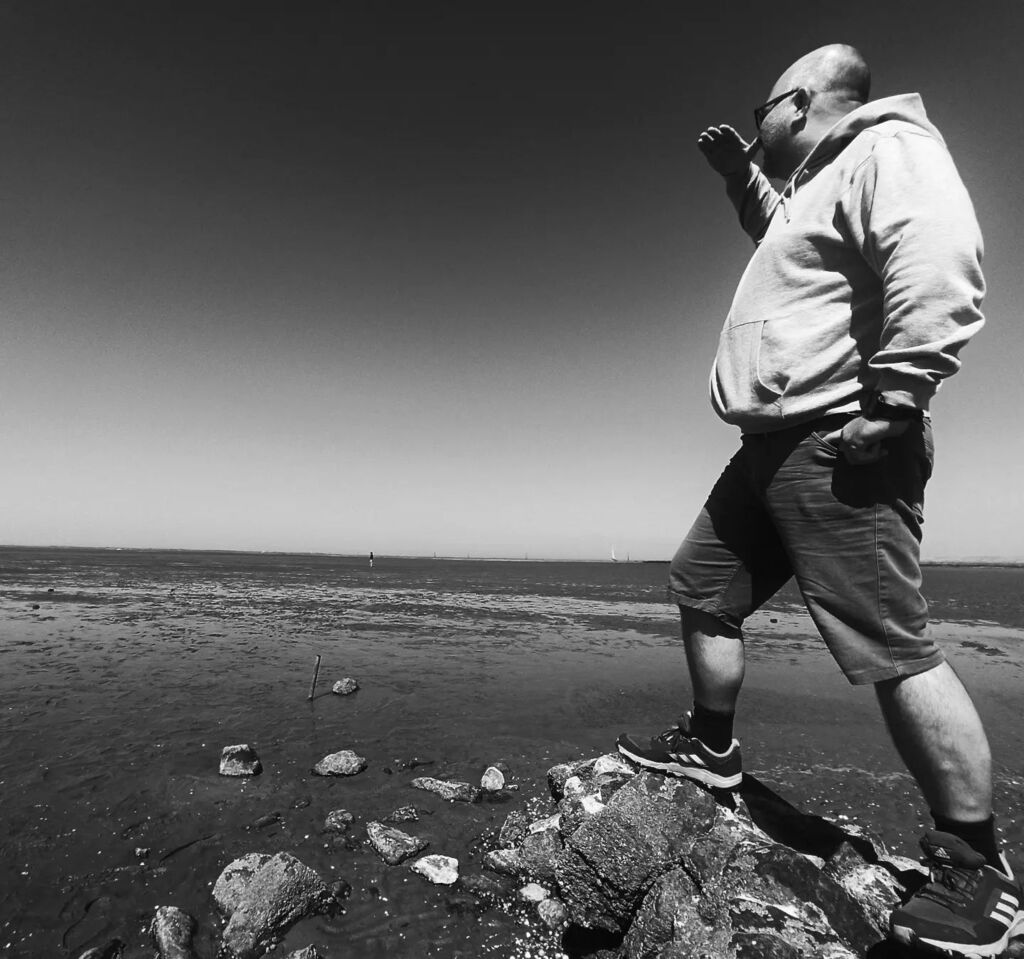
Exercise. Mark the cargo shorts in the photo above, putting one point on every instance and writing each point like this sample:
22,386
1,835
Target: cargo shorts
789,504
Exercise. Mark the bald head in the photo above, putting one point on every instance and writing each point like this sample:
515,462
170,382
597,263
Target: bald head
835,74
814,94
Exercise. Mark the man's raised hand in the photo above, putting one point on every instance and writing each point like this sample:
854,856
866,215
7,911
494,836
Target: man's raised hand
726,150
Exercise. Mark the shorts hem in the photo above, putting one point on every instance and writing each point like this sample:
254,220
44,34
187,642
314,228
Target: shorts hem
865,677
704,605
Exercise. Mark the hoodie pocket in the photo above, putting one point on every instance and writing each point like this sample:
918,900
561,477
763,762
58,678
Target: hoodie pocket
771,384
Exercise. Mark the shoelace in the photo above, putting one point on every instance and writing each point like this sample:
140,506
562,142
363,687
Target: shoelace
950,885
672,737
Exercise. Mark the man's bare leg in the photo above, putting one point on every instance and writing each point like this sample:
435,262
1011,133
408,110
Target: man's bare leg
939,735
714,653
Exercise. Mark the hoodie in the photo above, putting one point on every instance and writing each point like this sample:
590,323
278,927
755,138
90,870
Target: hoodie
866,277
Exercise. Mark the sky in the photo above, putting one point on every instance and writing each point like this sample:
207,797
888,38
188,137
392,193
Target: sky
432,277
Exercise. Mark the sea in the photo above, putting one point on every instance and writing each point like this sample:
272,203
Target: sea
126,672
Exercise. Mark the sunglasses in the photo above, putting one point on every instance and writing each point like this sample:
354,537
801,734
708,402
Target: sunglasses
765,108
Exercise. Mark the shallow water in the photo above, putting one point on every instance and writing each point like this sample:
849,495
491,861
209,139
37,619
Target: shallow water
120,689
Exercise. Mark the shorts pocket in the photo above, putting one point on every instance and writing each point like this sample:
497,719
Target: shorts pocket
820,440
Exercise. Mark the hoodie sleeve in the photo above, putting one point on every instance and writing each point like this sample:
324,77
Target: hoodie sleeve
913,221
755,200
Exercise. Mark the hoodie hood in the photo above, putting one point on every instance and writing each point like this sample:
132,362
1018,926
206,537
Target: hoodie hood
907,107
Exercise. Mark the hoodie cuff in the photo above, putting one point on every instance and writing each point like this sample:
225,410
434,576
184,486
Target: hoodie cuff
898,392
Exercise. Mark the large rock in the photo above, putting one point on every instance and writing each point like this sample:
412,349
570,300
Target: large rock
447,789
342,763
345,687
240,760
235,880
280,893
611,859
172,931
393,845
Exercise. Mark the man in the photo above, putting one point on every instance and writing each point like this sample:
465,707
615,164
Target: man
864,285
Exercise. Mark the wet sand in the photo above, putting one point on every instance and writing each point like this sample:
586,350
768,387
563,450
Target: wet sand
120,690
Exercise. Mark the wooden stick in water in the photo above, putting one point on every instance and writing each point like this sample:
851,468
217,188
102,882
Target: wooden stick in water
316,673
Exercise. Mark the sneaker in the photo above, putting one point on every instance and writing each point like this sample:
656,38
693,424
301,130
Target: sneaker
968,908
678,753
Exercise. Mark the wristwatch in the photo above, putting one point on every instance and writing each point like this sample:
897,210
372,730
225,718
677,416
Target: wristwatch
876,408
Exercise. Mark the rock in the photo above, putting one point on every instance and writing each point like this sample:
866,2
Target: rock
240,760
508,862
338,820
574,809
552,913
112,950
452,791
268,820
236,878
341,889
539,854
281,892
492,780
669,913
310,952
342,763
612,763
441,870
541,825
142,852
612,858
404,814
558,776
172,931
533,892
514,829
392,844
484,887
345,687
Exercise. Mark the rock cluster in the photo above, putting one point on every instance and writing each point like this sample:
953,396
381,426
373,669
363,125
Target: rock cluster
667,870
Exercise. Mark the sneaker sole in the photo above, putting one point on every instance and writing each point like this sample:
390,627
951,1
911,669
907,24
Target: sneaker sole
907,937
695,773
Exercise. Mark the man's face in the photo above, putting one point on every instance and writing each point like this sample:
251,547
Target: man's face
778,134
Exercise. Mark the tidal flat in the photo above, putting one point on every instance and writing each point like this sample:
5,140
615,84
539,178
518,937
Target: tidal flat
126,672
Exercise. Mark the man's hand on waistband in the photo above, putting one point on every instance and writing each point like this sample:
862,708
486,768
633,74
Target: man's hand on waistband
727,152
860,440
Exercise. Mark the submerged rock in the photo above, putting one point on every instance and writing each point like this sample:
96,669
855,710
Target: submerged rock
111,950
240,760
282,891
442,870
393,845
342,763
172,930
345,687
233,882
338,820
404,814
447,789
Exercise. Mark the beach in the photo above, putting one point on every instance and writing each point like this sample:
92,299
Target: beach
126,672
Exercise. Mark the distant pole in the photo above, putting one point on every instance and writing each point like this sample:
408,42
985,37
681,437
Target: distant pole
316,673
371,559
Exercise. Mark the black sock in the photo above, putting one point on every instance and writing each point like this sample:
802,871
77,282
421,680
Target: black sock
712,728
980,836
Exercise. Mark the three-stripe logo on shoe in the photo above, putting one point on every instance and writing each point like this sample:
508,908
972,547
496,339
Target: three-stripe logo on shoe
1005,910
691,758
